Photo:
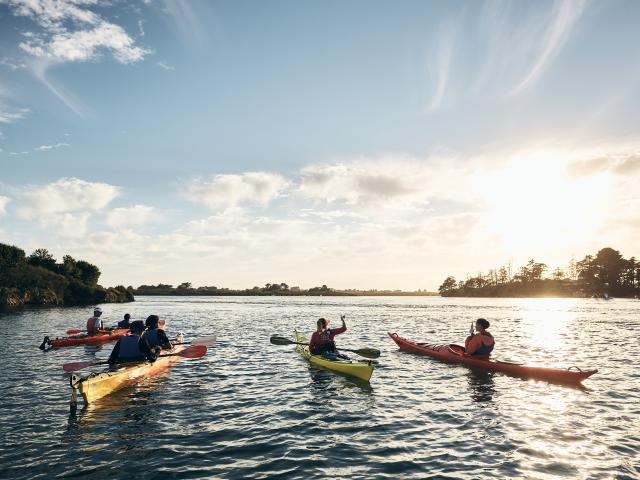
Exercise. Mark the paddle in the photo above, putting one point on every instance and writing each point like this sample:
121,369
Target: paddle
363,352
206,341
194,351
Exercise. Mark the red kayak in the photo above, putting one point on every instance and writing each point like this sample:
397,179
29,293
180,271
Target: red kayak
112,336
455,354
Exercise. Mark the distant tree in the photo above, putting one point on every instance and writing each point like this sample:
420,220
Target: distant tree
11,256
69,267
89,274
557,274
448,285
184,285
42,258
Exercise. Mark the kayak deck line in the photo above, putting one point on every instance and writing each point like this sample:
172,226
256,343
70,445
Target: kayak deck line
452,353
359,369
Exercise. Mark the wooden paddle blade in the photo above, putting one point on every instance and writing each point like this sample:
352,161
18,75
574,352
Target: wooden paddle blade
74,331
194,351
368,352
72,367
278,340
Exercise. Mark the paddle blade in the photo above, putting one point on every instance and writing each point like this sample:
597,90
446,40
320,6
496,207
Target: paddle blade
72,367
194,351
368,352
74,331
206,341
278,340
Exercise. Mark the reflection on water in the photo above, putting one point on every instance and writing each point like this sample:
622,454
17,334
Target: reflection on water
481,385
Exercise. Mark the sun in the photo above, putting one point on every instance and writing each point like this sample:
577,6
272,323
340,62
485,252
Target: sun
534,202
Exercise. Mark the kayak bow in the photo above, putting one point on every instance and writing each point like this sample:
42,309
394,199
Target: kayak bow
455,354
360,370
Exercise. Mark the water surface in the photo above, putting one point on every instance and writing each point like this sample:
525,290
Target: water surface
250,409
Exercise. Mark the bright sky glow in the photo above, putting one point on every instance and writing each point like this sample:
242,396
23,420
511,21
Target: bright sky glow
358,144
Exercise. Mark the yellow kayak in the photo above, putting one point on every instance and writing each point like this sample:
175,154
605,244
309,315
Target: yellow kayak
97,385
361,370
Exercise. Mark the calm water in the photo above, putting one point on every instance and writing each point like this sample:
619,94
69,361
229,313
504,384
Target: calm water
250,409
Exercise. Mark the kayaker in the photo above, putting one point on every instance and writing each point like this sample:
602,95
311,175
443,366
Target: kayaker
132,348
322,342
481,344
126,323
156,337
94,324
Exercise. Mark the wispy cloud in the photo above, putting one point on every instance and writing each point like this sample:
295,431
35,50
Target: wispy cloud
141,27
564,18
8,115
165,66
440,64
12,63
18,153
51,147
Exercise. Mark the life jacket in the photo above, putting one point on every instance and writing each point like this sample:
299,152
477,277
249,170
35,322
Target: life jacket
486,349
129,349
124,324
151,336
326,344
93,325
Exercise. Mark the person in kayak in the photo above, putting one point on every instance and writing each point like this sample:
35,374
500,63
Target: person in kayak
132,348
156,337
322,342
126,323
94,324
481,344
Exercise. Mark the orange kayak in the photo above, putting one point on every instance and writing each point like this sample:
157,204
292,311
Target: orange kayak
84,339
455,354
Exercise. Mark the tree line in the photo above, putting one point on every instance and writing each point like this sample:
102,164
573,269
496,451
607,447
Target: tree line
607,273
281,289
39,279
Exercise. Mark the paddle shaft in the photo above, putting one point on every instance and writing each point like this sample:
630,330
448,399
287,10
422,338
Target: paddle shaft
359,352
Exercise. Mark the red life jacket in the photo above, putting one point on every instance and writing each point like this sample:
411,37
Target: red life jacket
91,325
326,344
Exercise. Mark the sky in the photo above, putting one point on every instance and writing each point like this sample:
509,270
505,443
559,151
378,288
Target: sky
358,144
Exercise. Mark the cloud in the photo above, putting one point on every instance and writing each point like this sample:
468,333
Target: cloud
12,64
18,153
8,115
440,64
230,190
84,45
67,225
66,195
141,28
3,204
165,66
131,217
621,164
51,147
565,15
71,31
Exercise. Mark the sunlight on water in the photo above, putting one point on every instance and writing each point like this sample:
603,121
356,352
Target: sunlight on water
545,322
